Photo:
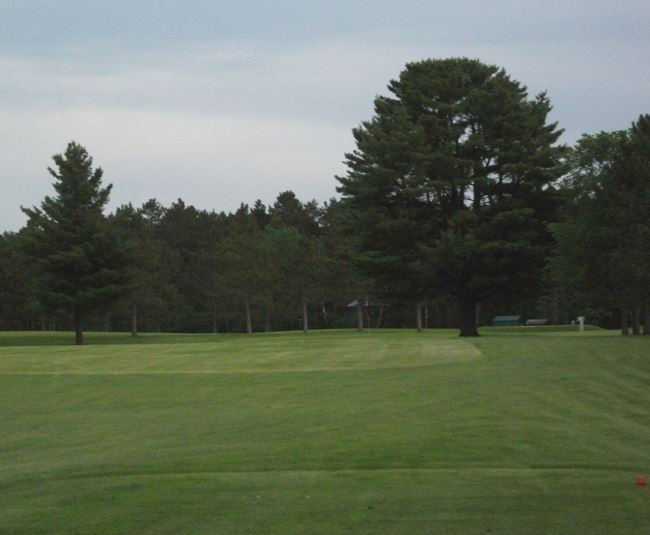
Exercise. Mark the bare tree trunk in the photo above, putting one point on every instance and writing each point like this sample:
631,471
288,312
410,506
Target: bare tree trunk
380,317
468,319
359,317
426,315
646,322
305,317
249,322
78,328
134,320
418,316
324,310
624,323
636,326
215,323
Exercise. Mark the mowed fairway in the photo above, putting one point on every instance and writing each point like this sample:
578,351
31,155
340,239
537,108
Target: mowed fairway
519,431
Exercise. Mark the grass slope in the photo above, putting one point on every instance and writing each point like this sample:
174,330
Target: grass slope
519,431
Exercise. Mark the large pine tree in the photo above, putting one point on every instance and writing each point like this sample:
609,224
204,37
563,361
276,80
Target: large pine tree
79,262
451,184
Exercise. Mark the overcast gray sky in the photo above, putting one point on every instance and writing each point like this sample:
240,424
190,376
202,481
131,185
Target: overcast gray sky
219,102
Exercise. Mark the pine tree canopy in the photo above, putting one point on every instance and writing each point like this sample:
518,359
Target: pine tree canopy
452,183
78,261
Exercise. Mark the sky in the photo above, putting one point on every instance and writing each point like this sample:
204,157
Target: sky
224,102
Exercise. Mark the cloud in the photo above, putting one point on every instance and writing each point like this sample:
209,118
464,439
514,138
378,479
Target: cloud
214,162
218,123
214,125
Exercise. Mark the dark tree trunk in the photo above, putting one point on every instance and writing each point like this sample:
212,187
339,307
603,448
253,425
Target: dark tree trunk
418,316
426,315
78,329
380,317
305,317
249,323
636,326
215,323
359,317
625,330
134,320
468,319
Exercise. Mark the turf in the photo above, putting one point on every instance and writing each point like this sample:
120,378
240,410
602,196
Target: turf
523,430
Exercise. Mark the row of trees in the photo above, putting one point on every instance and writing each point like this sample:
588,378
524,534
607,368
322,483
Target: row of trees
602,256
458,203
173,268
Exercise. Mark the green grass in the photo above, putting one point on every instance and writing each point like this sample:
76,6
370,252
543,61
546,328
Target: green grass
524,430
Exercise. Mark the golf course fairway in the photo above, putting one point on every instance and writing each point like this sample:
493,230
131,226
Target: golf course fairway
522,430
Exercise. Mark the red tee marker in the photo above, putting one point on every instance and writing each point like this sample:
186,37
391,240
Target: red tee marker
641,481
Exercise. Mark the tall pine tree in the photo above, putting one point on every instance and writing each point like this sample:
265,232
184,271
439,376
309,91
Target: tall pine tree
451,184
79,263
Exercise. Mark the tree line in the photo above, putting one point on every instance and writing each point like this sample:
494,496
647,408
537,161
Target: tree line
458,203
